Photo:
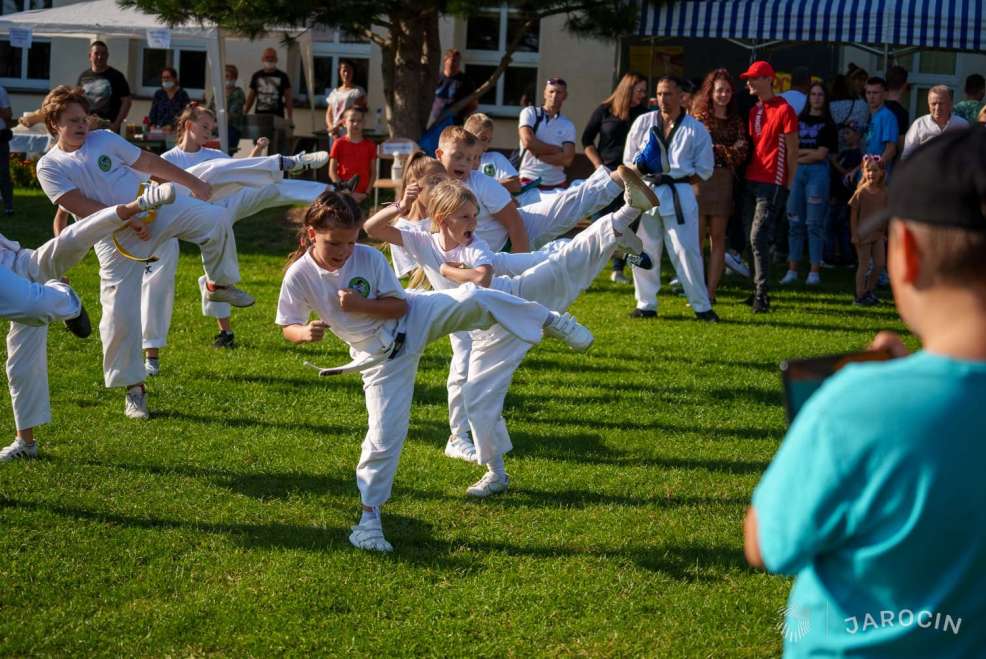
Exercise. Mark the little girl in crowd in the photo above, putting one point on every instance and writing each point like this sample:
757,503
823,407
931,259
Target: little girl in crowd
870,198
355,294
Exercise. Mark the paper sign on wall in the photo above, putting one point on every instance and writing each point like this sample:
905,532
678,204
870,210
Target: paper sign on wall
159,38
21,37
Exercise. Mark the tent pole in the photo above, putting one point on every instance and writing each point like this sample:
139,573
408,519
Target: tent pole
216,55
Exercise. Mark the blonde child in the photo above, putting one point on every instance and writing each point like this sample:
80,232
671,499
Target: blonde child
424,173
492,163
354,293
870,198
454,256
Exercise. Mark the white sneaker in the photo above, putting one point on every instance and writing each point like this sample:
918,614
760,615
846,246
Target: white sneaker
566,328
675,285
813,279
230,295
789,278
636,193
735,264
460,448
152,366
156,196
369,536
302,161
135,405
488,485
618,277
19,449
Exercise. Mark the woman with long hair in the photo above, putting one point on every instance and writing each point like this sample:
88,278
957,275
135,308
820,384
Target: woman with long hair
807,205
610,123
715,106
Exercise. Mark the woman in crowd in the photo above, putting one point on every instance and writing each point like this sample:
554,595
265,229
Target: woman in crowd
715,106
235,116
847,103
169,101
610,123
343,97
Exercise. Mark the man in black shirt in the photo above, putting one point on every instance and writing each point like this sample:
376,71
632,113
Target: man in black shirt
270,88
896,88
105,87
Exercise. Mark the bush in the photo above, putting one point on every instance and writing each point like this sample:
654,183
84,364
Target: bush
23,173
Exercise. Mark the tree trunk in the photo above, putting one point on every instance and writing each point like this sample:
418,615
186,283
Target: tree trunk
411,60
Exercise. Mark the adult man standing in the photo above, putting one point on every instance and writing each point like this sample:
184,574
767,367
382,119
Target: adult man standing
975,91
882,131
453,86
773,126
933,124
896,88
105,87
270,88
671,148
547,138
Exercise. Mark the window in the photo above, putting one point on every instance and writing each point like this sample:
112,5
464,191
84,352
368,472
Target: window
189,61
487,35
928,68
14,6
337,45
25,68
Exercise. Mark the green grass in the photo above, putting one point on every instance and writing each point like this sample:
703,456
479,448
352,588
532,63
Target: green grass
220,526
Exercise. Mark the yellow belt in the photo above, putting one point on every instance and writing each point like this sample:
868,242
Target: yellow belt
150,217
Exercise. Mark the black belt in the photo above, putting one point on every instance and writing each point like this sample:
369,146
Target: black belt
664,179
398,344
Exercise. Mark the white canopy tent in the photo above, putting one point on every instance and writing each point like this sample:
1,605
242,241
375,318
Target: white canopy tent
105,18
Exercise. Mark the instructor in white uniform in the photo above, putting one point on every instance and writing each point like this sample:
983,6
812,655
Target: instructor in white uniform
670,147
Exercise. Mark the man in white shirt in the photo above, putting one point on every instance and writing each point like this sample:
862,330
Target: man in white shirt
669,147
547,138
937,121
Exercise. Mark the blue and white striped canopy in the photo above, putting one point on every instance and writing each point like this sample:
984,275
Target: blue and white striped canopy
954,24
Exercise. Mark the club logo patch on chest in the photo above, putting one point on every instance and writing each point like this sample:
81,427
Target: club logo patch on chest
489,169
104,162
360,285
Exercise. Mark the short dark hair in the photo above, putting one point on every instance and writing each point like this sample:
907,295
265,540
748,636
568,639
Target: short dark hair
876,80
97,42
975,84
800,76
674,80
896,77
345,61
172,71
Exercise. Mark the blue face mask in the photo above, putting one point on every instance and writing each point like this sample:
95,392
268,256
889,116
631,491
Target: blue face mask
167,84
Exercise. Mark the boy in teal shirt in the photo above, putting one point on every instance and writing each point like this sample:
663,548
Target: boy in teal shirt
875,500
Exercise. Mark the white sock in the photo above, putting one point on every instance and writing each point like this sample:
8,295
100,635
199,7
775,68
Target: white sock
370,515
624,217
497,467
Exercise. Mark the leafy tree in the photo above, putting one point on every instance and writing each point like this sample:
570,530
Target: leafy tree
406,32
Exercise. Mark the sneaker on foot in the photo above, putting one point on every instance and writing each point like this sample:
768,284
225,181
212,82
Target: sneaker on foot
460,448
642,260
618,277
80,325
709,316
156,196
135,405
643,313
735,264
636,193
813,279
675,285
789,278
18,449
630,242
369,536
489,484
152,366
224,340
566,328
302,161
230,295
761,303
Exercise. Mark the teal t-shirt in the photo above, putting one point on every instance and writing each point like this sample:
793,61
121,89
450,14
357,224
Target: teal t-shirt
876,501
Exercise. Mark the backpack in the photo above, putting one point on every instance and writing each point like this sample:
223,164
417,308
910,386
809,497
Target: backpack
517,155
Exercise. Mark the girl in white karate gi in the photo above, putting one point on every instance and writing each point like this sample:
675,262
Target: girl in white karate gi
354,293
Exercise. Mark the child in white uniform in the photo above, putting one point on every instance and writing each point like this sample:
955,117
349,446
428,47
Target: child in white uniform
454,256
356,295
27,361
244,186
88,171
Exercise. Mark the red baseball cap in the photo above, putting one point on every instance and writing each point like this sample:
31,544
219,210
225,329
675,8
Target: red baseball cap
758,69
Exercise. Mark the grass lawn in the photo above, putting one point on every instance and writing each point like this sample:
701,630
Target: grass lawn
220,526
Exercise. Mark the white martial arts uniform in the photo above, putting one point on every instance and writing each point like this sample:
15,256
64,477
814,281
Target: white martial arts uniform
244,186
389,386
34,303
688,153
27,341
404,264
101,171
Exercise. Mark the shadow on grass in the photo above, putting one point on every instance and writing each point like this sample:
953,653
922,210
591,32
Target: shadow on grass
239,422
416,543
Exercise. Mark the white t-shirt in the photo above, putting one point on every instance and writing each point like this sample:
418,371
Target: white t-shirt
340,100
186,159
493,198
796,99
404,263
99,169
307,288
424,248
496,165
556,130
